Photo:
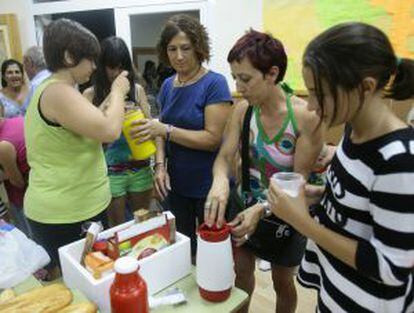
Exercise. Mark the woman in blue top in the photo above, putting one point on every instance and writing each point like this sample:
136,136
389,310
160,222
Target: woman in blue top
195,104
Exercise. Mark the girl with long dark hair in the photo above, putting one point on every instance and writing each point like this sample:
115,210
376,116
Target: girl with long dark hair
360,252
129,180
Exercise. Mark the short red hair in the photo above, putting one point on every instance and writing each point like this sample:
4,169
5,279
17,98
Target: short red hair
263,52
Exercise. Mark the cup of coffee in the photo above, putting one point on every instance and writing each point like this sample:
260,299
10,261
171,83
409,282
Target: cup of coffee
289,182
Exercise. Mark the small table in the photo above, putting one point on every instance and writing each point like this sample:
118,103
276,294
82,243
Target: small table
196,304
188,285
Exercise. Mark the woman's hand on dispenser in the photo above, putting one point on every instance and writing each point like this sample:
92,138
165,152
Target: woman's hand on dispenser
121,84
161,181
245,223
148,129
216,202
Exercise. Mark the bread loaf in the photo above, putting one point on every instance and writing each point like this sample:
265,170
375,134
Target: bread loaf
6,295
47,299
83,307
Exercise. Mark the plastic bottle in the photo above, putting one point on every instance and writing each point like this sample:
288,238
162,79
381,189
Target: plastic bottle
128,292
139,151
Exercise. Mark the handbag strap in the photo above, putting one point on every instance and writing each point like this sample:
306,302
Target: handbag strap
245,149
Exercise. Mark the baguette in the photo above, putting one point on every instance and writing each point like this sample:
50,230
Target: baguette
6,295
82,307
47,299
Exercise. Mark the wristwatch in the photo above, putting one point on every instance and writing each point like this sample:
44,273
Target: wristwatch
266,208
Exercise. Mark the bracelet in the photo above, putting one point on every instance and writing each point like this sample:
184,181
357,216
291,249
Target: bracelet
159,163
168,133
266,209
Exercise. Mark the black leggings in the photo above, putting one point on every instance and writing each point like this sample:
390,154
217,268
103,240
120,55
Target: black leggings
53,236
188,212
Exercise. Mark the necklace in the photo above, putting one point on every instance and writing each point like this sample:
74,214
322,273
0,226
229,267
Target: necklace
190,79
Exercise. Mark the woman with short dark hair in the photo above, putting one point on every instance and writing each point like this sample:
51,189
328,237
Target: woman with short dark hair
14,88
273,132
360,251
195,104
68,182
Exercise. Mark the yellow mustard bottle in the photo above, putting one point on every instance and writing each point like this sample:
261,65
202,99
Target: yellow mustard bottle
139,151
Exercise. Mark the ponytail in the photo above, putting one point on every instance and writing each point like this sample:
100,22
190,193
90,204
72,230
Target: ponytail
403,86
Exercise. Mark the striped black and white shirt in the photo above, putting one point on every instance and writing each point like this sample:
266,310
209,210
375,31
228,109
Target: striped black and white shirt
370,198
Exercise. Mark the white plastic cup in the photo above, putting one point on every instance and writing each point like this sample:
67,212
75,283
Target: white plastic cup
289,182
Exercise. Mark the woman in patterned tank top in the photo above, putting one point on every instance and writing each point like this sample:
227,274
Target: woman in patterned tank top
282,138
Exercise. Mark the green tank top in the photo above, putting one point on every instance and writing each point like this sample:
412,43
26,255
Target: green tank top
68,180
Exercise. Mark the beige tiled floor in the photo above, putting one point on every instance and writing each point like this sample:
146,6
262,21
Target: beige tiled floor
264,299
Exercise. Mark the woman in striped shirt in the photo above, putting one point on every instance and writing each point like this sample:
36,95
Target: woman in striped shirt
360,256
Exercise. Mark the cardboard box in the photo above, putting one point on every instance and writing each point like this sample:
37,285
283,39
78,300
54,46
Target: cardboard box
159,270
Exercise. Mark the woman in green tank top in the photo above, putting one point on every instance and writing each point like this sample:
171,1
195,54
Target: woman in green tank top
68,182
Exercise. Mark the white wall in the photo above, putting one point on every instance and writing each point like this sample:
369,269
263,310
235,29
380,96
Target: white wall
230,19
23,10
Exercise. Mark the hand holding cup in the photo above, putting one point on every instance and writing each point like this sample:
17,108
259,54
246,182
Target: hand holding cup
287,199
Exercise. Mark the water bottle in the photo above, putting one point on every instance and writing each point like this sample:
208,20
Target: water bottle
139,151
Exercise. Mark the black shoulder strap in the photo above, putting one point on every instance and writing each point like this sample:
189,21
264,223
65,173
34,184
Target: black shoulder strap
245,149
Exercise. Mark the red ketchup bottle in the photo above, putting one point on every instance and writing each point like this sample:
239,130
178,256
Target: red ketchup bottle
128,291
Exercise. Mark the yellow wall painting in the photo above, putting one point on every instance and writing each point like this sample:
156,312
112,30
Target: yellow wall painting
296,22
401,30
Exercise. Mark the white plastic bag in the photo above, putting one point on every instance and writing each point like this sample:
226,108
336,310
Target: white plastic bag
20,257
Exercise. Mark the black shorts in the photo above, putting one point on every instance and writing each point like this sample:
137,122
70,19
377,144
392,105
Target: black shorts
53,236
268,243
274,240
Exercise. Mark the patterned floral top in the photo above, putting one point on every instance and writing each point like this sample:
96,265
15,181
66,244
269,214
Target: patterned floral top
270,155
11,107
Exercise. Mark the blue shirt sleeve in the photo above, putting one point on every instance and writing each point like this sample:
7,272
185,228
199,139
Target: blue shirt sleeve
218,91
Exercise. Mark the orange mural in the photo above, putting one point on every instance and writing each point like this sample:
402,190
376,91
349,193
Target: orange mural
402,24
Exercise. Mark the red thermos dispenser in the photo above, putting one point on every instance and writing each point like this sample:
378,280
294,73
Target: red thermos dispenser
215,264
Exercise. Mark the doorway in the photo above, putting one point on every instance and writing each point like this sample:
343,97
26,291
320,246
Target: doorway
145,32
